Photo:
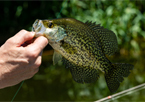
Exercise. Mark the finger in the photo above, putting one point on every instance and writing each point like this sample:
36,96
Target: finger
38,45
34,68
22,36
37,62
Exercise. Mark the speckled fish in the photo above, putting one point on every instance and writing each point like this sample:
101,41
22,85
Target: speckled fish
82,48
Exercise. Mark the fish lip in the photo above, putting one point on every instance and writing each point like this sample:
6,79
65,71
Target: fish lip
35,24
38,25
52,34
37,34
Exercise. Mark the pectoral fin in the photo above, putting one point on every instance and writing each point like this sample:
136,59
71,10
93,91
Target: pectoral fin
56,57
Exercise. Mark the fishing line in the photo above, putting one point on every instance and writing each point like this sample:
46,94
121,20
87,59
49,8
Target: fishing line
61,9
17,91
123,93
23,81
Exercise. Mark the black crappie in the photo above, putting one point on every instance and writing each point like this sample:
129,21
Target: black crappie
82,48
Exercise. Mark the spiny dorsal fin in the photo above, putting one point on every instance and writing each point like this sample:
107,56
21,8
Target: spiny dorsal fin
81,74
107,38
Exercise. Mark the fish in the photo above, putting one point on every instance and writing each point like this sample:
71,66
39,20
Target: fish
83,48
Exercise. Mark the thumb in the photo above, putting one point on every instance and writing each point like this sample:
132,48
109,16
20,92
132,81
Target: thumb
22,36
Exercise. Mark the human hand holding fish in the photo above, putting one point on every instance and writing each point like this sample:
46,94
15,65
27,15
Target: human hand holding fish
20,60
82,47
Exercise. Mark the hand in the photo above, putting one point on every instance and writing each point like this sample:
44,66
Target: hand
19,62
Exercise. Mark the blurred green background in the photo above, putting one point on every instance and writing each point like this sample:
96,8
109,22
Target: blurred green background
54,83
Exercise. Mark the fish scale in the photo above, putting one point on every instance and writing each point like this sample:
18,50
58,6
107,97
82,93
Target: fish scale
83,47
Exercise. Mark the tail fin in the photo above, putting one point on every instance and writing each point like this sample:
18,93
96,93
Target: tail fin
115,75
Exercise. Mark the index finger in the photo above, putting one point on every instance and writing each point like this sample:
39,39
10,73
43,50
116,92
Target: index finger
22,36
38,45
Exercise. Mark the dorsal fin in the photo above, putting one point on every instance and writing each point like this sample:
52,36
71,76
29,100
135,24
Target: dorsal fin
107,38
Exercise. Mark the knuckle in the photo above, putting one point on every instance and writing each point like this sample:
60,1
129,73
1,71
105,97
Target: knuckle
23,31
32,53
38,63
10,40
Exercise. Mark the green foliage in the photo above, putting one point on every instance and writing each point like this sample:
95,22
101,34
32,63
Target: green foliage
55,83
122,17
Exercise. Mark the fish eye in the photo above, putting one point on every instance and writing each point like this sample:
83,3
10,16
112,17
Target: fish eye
50,25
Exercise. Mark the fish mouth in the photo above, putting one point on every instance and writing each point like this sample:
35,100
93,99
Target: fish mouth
38,28
54,34
41,30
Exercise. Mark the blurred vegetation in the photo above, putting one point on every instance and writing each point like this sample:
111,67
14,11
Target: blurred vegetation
54,83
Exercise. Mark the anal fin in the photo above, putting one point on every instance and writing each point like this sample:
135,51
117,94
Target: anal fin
82,74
